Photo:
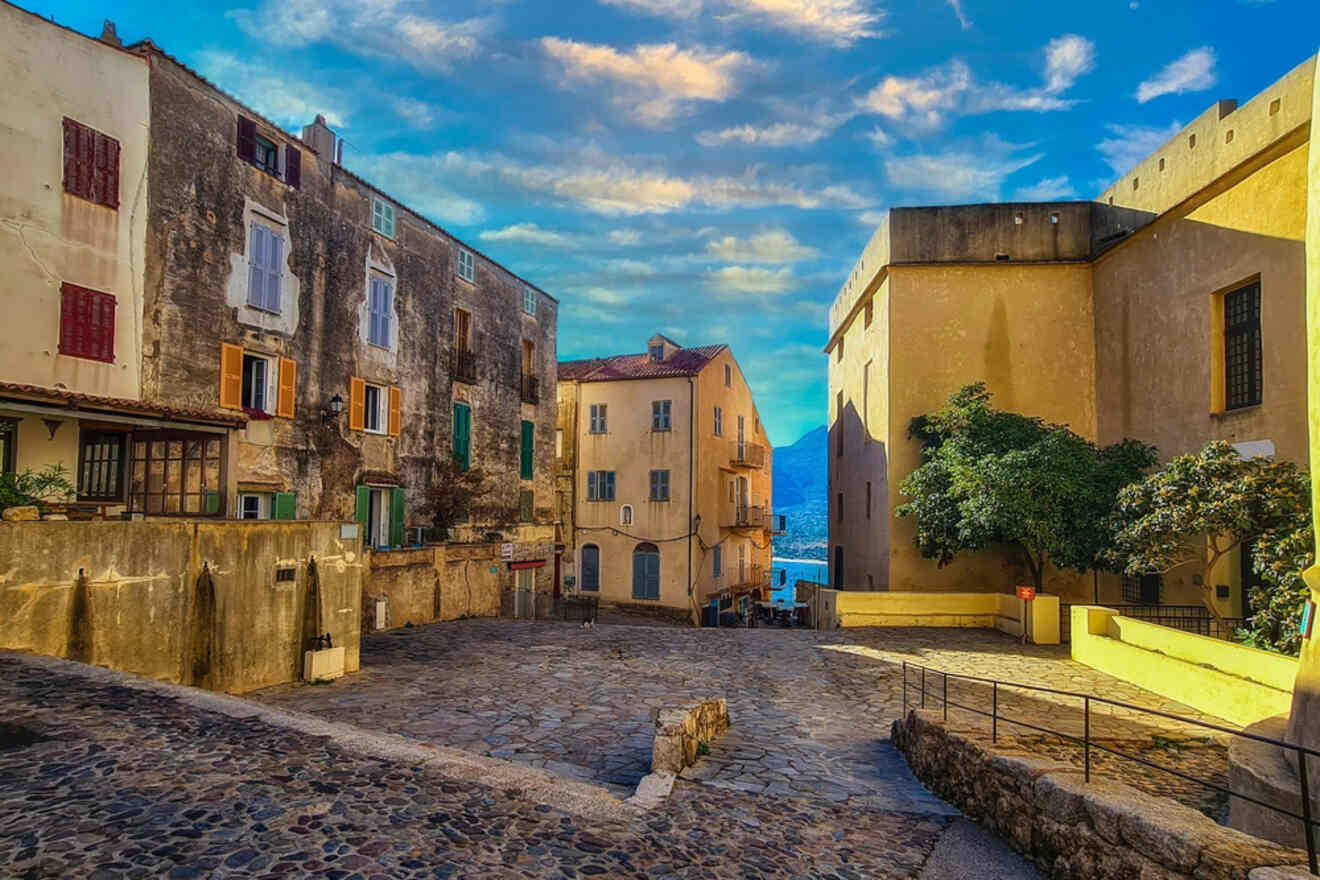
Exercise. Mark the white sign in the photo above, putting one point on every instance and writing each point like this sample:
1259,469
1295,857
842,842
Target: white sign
506,551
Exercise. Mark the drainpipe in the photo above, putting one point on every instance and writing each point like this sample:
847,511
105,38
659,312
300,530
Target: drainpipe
691,435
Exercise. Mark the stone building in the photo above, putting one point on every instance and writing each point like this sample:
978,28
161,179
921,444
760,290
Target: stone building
664,489
1170,310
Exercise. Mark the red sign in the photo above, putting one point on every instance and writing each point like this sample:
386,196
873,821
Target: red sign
1027,593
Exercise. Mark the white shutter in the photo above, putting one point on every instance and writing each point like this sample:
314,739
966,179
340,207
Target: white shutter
274,260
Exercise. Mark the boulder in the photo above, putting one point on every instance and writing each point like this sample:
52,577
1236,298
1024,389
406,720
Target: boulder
26,513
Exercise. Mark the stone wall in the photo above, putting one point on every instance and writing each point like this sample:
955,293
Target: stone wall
224,605
1100,830
681,731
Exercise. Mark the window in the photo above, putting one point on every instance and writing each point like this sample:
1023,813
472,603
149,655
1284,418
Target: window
646,572
525,451
660,415
728,376
380,308
866,403
1243,383
256,506
731,490
1142,589
256,383
87,323
382,217
262,152
8,445
559,442
265,265
372,398
658,353
626,515
868,499
840,507
838,419
600,485
529,300
101,466
463,330
717,561
719,422
466,268
91,164
590,568
176,472
526,505
381,512
659,485
463,436
598,425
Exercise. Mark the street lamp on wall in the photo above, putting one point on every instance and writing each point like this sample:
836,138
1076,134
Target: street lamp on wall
332,409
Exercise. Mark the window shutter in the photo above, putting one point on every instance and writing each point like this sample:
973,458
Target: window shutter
286,506
111,173
462,435
288,386
592,490
86,162
362,512
396,410
292,167
357,404
211,502
247,140
526,450
397,513
231,376
274,262
71,156
257,266
609,484
639,576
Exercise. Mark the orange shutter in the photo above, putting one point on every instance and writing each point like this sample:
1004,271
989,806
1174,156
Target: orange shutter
396,410
357,404
231,376
288,382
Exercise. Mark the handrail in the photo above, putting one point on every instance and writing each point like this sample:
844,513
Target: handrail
1087,744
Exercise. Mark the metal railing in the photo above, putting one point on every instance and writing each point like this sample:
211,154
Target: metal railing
464,365
745,454
531,389
778,523
1088,743
1195,619
747,516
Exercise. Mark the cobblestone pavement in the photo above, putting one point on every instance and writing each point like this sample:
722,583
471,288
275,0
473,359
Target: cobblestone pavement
126,782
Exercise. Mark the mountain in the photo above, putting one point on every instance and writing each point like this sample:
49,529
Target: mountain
801,492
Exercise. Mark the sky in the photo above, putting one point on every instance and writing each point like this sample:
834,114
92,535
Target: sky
711,169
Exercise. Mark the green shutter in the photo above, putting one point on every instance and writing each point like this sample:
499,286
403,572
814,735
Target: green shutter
211,502
362,512
397,514
527,431
462,436
639,576
653,575
286,505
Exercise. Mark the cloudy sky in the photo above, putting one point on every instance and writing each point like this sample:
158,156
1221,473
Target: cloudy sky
711,168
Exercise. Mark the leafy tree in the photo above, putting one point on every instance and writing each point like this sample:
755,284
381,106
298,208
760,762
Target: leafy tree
1280,556
1200,507
992,477
49,484
452,493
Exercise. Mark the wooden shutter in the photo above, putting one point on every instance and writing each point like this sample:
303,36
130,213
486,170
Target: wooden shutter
287,385
397,513
286,506
362,512
247,140
525,459
292,167
110,172
357,404
257,266
274,265
396,410
231,376
462,435
71,132
211,502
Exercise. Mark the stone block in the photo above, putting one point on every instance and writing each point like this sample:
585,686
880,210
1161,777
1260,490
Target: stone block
25,513
1283,872
1058,796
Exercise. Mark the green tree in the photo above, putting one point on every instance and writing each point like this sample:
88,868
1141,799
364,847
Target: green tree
1200,507
49,484
1280,556
991,477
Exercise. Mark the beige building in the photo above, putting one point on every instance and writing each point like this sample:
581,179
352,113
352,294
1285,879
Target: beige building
1170,310
664,480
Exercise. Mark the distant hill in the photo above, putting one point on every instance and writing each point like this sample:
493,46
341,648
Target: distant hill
801,487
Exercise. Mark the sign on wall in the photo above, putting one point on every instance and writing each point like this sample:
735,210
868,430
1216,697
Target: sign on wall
1027,593
506,551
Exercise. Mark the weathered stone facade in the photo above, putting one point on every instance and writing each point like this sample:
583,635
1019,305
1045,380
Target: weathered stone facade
204,200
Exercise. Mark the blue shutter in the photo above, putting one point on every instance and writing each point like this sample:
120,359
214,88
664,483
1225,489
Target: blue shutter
609,482
652,575
593,489
274,257
639,576
257,264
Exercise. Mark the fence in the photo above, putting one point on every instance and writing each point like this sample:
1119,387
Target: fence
1195,619
1085,741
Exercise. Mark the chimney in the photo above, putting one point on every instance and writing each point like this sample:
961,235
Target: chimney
321,139
109,36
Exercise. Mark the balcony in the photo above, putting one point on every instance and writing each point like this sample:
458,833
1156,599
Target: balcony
746,516
778,524
463,365
531,389
746,455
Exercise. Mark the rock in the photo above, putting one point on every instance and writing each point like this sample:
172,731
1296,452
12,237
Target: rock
26,513
1283,872
55,517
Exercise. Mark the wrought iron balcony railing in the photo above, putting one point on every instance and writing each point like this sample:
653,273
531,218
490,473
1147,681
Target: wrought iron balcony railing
531,389
745,454
464,366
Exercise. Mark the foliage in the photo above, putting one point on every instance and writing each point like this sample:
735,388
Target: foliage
1202,506
1279,556
994,477
452,493
50,484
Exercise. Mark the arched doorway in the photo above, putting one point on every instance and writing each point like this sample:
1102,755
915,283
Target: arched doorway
590,568
646,571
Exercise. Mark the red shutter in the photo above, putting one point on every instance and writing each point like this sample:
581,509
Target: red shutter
110,173
71,156
91,164
292,167
247,139
86,162
87,323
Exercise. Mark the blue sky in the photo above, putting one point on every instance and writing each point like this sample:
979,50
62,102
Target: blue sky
711,168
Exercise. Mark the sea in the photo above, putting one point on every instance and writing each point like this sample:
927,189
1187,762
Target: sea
796,570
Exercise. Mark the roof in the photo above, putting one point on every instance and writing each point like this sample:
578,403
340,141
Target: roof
684,362
121,405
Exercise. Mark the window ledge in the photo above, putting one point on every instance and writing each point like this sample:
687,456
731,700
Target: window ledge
1226,414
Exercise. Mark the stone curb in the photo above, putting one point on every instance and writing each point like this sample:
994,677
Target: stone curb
571,796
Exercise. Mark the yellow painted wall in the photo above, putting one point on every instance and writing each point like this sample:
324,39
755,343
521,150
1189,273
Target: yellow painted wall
48,237
1000,611
37,449
1239,684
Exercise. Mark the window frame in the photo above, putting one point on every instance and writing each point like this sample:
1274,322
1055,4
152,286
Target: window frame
265,505
91,164
529,300
526,505
658,352
719,421
662,415
626,515
659,486
466,258
271,271
381,211
717,567
598,484
377,317
728,376
270,386
203,461
382,402
8,444
119,467
599,419
83,330
1243,369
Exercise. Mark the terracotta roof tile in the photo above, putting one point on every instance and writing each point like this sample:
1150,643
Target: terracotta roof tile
78,400
684,362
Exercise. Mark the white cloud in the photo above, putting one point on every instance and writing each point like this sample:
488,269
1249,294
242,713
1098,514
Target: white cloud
779,134
1049,189
630,268
284,99
1067,58
652,81
959,174
962,16
834,22
880,137
625,237
770,246
377,28
1193,72
872,218
528,233
755,279
418,185
1127,145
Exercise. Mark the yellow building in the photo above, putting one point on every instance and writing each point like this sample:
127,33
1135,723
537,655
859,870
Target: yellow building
1170,310
73,232
664,485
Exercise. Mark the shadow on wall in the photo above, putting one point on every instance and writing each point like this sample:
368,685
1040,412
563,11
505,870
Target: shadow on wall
859,490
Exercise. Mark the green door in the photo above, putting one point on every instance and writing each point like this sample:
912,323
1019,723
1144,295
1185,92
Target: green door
462,435
526,460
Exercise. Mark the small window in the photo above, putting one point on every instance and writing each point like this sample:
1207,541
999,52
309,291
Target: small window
598,423
8,442
658,353
255,505
87,323
466,267
101,466
600,485
380,308
626,515
728,376
286,575
526,505
719,422
717,567
256,383
1243,384
373,398
867,315
660,415
91,164
382,217
529,300
868,499
1054,218
840,507
838,419
267,156
659,485
1191,142
265,266
1274,106
559,442
1228,136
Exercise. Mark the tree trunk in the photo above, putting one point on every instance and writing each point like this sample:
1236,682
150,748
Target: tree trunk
1208,596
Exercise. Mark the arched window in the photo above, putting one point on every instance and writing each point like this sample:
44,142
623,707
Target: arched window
590,567
625,515
646,571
